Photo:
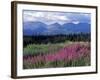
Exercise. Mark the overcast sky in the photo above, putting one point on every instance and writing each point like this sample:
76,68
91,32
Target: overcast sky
49,17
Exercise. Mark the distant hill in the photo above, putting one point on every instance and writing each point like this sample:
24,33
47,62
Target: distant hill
77,28
39,28
34,28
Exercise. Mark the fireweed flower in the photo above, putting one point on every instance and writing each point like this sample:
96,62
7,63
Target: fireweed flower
71,52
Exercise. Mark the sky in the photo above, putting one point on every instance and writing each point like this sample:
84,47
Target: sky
50,17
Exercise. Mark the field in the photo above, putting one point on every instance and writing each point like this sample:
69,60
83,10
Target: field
56,39
62,54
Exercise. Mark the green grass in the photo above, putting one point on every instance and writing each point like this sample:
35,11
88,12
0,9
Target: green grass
74,63
36,49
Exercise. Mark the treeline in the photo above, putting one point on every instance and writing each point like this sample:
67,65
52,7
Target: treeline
44,39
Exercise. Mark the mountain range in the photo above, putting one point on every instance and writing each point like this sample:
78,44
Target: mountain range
39,28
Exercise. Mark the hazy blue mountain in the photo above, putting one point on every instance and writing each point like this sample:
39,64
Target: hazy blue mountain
75,28
34,28
39,28
54,29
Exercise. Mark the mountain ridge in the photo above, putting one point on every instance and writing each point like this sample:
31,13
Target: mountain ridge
39,28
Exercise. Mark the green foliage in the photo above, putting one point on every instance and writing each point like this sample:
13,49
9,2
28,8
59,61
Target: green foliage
72,63
35,53
36,49
45,39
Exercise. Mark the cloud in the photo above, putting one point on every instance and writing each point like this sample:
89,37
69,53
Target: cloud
47,17
55,17
75,22
81,17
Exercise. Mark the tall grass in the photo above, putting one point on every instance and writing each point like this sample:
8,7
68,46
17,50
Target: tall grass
57,55
36,49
